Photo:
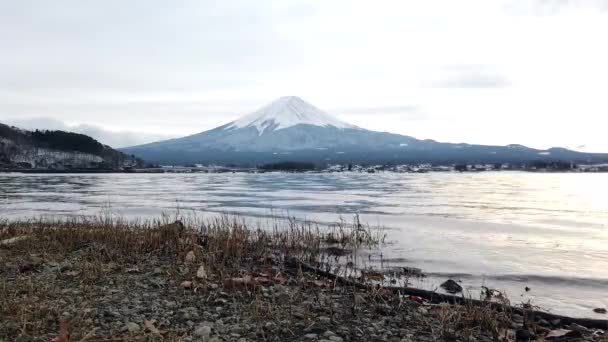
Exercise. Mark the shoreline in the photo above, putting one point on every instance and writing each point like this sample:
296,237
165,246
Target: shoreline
186,170
224,281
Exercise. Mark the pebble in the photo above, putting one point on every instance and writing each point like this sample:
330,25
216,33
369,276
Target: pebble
517,318
190,257
203,331
577,327
220,301
133,327
543,322
201,273
207,324
451,286
523,335
328,333
211,314
324,319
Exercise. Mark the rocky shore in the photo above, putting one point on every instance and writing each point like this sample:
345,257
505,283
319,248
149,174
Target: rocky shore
108,281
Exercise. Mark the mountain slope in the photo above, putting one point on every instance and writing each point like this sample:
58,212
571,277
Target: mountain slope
57,150
291,129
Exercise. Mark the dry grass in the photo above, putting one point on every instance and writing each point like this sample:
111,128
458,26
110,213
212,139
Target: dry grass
226,245
469,319
224,242
229,247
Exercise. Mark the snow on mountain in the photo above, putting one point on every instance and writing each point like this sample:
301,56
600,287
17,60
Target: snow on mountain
291,129
287,111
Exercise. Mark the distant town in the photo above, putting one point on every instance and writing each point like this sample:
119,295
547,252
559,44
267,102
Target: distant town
403,168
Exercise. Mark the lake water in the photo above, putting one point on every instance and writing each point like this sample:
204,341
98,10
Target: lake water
506,230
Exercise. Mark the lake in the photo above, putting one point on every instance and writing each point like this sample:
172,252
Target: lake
506,230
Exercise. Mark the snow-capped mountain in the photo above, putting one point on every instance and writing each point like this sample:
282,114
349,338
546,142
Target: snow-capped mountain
289,128
286,124
285,112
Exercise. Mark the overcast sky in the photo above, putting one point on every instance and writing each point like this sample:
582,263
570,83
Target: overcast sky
490,72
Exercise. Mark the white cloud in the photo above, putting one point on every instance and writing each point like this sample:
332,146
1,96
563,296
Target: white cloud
115,139
480,71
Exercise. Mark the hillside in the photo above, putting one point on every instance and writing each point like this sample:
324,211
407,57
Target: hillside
58,150
291,129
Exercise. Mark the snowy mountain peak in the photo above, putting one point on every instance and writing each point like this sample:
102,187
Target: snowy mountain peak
286,112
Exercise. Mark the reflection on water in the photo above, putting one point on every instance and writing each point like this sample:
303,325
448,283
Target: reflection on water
504,229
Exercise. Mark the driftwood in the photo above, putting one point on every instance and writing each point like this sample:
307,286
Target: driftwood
294,264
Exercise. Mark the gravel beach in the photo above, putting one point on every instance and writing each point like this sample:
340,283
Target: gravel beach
101,284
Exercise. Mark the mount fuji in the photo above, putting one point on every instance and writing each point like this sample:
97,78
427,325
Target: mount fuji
290,128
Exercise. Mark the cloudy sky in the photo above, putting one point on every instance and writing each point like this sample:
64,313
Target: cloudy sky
494,72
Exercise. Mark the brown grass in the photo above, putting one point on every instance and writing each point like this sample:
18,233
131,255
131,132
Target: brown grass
226,245
469,319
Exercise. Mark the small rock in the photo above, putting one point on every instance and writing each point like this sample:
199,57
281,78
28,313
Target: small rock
134,269
517,318
556,322
600,311
133,327
543,323
220,301
186,284
578,327
328,333
324,319
451,286
203,331
190,257
523,335
563,334
201,273
311,336
336,338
